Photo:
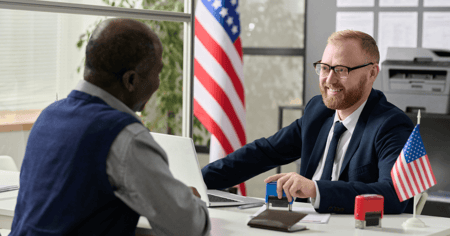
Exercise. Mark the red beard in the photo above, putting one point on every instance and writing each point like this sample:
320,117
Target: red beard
345,98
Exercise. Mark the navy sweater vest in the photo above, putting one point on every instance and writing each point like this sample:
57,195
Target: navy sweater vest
64,188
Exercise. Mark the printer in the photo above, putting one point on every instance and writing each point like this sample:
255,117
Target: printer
417,78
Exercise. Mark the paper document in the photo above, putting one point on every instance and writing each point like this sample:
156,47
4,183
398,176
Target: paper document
361,21
355,3
399,3
396,29
436,3
6,188
9,180
312,217
436,30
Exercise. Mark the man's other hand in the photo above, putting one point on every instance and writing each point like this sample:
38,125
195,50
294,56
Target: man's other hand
294,185
195,192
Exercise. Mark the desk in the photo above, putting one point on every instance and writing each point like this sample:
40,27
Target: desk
234,222
229,221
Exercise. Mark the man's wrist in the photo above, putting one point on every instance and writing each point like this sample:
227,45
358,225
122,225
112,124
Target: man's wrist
316,201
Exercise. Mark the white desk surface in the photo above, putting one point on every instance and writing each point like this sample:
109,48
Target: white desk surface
231,221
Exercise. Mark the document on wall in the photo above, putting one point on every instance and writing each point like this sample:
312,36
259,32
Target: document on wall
436,30
396,29
361,21
399,3
355,3
436,3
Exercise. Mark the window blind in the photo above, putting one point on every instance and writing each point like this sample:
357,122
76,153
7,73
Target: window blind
28,59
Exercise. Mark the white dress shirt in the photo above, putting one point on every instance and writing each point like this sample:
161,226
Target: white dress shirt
350,124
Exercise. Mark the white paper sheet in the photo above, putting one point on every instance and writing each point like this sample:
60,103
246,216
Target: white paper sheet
396,29
355,3
436,3
312,217
436,30
399,3
361,21
6,188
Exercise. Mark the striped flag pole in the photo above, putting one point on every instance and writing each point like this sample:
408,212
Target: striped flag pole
219,101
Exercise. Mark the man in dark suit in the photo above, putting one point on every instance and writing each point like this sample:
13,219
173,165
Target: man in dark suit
348,138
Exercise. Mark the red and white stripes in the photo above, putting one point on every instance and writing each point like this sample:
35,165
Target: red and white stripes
219,101
412,178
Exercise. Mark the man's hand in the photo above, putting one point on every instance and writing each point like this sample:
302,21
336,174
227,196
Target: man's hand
195,192
294,185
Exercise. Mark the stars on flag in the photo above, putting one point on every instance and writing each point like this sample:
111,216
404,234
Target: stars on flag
414,147
230,20
217,4
234,29
227,13
223,12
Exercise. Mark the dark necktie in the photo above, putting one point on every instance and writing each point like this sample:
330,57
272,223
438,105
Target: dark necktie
339,128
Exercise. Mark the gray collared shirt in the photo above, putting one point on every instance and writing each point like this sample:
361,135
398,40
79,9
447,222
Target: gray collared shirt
137,166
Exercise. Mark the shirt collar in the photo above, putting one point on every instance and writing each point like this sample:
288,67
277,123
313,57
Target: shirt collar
351,120
93,90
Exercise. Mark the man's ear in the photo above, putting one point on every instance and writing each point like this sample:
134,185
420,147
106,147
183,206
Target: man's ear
129,80
374,72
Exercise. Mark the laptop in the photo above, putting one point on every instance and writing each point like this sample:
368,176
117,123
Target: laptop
183,164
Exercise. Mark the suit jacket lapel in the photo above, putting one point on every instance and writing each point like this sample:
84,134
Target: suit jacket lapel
319,148
359,130
354,143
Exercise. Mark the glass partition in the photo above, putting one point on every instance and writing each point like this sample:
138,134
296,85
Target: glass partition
174,6
42,58
268,23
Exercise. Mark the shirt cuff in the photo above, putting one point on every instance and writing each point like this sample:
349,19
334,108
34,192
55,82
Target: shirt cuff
316,201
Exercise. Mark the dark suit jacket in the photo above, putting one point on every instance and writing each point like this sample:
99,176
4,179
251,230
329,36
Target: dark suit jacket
381,132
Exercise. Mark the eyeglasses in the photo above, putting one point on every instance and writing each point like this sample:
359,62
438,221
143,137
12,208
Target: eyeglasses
323,69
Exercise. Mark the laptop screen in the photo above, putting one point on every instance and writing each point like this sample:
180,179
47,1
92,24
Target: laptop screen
183,161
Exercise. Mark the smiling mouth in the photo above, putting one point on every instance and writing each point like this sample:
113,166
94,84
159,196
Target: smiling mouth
335,90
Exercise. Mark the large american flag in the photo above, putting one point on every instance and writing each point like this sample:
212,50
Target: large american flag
412,173
218,76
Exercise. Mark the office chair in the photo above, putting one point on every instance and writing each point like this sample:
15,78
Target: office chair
7,163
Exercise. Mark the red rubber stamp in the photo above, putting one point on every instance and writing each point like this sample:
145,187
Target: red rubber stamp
368,210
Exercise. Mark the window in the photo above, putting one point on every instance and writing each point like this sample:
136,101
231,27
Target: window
40,58
273,44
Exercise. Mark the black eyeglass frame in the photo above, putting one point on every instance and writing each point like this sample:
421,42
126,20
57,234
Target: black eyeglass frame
348,68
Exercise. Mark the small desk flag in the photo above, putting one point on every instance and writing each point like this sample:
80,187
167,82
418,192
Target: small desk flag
412,173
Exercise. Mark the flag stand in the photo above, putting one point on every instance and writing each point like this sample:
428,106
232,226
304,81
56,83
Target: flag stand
414,222
419,201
